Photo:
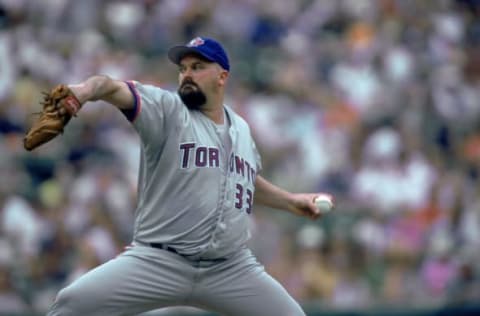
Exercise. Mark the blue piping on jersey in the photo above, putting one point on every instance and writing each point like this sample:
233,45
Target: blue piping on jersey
132,114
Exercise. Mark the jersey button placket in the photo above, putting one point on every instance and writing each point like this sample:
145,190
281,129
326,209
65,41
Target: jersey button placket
226,203
214,243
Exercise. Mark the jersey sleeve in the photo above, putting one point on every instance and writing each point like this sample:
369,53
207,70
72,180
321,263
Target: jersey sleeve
153,106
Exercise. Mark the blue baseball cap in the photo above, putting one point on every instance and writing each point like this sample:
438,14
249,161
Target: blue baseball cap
208,48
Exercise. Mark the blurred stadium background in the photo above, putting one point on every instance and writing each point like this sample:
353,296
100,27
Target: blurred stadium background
376,101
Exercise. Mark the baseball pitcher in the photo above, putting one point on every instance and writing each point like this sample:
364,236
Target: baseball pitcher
199,178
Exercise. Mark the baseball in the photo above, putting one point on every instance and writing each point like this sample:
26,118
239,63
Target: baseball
323,203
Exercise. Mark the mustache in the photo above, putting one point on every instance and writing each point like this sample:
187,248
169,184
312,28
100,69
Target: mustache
188,81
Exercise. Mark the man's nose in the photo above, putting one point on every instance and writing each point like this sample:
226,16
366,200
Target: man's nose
187,78
187,73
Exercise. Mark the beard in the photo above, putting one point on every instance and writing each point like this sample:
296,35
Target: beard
191,95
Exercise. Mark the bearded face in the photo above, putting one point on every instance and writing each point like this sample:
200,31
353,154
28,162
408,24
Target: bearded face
191,94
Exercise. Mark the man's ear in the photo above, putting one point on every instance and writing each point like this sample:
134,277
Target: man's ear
223,76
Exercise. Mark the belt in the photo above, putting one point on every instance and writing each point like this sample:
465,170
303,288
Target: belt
173,250
164,247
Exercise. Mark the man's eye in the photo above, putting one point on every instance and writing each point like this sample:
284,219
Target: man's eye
197,66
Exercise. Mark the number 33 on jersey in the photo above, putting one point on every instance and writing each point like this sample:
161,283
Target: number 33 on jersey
194,156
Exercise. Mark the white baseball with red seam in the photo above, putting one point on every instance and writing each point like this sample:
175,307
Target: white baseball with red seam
324,203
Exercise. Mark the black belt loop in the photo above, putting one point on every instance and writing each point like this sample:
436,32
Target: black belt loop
164,247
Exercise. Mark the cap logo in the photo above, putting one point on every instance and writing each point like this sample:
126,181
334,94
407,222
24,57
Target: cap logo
197,41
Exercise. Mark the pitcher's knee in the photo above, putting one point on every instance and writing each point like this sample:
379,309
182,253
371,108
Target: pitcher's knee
69,301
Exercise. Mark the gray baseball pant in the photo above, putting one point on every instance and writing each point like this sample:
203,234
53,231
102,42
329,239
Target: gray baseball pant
143,278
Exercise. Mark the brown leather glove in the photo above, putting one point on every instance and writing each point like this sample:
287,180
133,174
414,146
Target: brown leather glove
59,105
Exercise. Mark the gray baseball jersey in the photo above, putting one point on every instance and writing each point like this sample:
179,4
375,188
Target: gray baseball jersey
195,192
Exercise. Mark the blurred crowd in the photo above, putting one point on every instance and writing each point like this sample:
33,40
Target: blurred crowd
375,101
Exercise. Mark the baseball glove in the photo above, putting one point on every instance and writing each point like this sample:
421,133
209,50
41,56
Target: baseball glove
59,105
